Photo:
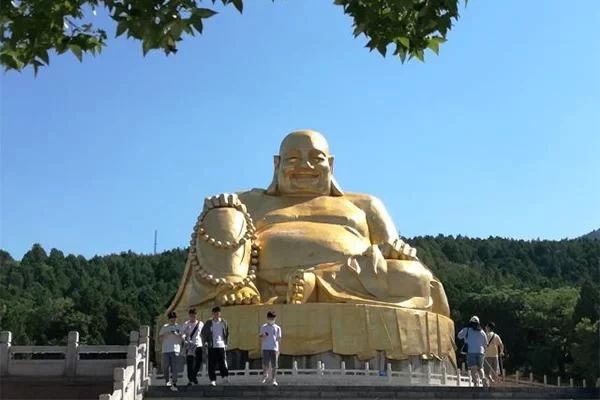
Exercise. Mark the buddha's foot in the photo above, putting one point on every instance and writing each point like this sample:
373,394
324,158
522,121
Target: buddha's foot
238,296
300,287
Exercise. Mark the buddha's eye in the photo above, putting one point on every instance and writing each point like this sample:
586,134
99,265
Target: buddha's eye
292,159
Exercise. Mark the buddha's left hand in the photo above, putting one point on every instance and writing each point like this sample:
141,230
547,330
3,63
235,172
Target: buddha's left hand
399,250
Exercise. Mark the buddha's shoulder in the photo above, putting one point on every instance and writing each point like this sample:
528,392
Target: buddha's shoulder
252,195
361,198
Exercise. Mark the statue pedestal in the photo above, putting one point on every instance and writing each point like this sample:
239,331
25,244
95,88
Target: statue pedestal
335,332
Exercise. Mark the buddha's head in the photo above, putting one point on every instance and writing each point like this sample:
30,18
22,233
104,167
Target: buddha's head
304,167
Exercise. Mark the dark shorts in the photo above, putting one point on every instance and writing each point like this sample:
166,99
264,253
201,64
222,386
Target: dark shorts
270,357
475,360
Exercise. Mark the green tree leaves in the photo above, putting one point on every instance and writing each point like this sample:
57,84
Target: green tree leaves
31,29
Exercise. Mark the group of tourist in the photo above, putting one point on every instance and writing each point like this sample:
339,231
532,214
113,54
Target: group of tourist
195,335
484,349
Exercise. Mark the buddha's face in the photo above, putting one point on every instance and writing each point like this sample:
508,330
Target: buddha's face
304,166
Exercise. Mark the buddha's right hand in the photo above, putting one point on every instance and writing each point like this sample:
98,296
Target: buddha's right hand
224,200
246,294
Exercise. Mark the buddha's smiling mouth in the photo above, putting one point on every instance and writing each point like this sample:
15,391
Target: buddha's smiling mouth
305,179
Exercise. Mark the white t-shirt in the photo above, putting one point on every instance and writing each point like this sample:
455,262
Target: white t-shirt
272,336
494,342
188,328
171,343
218,335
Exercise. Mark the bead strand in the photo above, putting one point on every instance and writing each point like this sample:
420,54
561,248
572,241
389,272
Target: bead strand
200,232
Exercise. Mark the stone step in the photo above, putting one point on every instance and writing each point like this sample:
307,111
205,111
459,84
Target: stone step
290,392
58,388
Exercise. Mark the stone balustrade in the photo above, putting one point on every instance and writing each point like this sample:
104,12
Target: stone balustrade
129,371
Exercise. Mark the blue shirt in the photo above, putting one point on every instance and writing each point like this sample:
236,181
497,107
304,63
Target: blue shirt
476,340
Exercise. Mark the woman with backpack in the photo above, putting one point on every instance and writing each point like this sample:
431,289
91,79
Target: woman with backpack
475,345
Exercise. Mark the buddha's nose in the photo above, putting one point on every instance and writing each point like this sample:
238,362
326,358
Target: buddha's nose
305,163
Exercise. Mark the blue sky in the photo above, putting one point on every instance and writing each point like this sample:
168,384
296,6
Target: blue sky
499,135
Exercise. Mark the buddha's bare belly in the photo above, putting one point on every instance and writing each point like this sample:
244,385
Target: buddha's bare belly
298,244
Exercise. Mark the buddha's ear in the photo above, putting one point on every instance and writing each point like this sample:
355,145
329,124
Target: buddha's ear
272,189
336,190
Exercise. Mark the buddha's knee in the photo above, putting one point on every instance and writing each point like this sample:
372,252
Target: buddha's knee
409,279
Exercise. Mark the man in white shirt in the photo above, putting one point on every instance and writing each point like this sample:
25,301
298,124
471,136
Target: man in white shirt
170,336
495,348
193,346
270,333
215,334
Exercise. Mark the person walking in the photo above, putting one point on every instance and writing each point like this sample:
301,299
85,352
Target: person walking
215,334
476,342
193,346
270,333
495,349
171,337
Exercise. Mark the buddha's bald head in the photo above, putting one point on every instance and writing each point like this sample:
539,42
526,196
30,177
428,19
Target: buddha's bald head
304,166
304,138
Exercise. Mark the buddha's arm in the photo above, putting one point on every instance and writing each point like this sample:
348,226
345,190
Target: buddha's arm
382,229
222,253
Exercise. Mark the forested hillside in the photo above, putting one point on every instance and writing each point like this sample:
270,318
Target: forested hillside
593,235
543,295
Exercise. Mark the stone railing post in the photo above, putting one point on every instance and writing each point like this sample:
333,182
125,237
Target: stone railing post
545,380
531,377
119,381
134,337
145,340
584,383
247,368
132,361
410,373
458,377
444,375
343,368
389,372
295,368
428,373
558,381
5,343
517,377
72,356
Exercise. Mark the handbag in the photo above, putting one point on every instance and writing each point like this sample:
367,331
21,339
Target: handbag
190,346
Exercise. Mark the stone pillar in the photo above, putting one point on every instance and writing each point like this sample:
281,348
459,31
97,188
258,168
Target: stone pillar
145,340
132,361
5,343
72,355
119,380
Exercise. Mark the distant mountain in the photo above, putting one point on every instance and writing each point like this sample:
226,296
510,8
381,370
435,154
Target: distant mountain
593,235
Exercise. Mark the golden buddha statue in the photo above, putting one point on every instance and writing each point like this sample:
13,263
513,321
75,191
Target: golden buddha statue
305,247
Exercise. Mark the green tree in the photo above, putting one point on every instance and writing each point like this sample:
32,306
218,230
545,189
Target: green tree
31,29
585,346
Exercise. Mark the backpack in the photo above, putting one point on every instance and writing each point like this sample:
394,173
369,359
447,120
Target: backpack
465,347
